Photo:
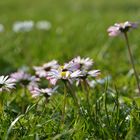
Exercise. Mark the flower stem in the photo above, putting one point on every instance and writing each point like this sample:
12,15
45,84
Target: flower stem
132,61
1,102
73,95
87,92
86,89
64,106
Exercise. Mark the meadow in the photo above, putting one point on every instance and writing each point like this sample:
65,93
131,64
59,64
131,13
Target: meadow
79,28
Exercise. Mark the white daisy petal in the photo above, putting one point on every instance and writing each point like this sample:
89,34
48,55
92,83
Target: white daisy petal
6,83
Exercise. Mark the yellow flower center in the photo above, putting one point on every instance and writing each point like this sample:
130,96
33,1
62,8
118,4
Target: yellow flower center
65,74
61,67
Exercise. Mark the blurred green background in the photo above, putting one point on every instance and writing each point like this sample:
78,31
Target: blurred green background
78,28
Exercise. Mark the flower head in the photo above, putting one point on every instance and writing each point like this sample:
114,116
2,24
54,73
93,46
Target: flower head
70,66
64,73
36,91
85,69
50,65
43,25
22,78
6,83
86,75
41,71
119,28
93,73
85,63
23,26
93,83
1,28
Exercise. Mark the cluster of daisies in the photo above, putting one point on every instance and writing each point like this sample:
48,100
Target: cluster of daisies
52,74
75,72
28,25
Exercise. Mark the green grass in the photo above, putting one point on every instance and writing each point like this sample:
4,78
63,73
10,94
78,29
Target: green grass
78,28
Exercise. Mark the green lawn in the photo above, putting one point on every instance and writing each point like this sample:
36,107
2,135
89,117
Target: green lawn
78,28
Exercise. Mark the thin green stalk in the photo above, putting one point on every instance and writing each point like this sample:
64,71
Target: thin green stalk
64,105
87,93
73,95
86,88
81,112
76,100
1,102
106,110
24,98
105,102
117,114
132,61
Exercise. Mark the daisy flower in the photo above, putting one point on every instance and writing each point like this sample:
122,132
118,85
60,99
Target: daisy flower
63,73
93,83
85,68
23,26
70,66
36,91
41,71
1,28
43,25
93,73
50,65
119,28
86,75
6,83
85,63
47,92
23,78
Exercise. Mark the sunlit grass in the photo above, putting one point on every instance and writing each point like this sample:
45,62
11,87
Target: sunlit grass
78,28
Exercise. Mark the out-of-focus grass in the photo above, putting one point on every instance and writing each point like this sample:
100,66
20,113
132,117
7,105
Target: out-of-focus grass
78,28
